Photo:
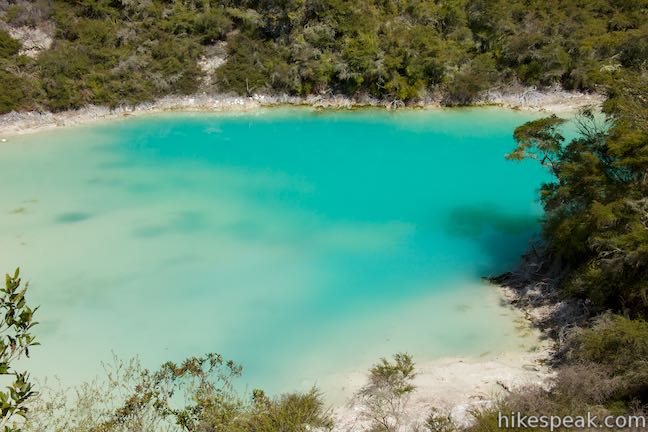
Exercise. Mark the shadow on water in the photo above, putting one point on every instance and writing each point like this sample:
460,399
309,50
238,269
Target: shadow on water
502,236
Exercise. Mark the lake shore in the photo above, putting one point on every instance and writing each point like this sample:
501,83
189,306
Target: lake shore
457,386
553,100
454,387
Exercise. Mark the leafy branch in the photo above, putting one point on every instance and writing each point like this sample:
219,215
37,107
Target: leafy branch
16,323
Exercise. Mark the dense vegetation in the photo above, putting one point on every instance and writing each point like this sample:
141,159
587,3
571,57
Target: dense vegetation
114,52
596,252
596,210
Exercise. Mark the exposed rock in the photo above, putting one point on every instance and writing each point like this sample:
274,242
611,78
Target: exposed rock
215,56
550,99
533,288
33,40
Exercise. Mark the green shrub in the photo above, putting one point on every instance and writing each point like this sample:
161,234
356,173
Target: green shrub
608,363
212,26
12,93
8,46
382,400
616,341
293,412
194,395
253,67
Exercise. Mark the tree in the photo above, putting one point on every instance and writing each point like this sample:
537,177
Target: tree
384,397
539,140
16,323
596,208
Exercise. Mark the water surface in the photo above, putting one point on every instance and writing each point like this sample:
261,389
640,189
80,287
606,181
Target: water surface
302,244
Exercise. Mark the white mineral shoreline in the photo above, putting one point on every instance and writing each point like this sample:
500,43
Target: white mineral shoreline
17,123
457,386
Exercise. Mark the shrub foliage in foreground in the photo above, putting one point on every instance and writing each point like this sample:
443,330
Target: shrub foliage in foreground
383,399
16,323
196,395
199,395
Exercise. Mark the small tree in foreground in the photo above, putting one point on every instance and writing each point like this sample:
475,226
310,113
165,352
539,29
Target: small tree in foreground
16,323
384,397
196,395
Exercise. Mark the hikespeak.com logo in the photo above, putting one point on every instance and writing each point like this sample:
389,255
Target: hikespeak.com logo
518,420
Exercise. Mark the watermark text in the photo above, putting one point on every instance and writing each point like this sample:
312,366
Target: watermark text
517,420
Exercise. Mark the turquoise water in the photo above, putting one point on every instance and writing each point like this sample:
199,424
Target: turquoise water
301,244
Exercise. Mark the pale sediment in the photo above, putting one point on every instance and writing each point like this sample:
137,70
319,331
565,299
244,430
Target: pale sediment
455,387
15,123
554,100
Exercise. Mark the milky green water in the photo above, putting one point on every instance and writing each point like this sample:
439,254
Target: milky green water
301,244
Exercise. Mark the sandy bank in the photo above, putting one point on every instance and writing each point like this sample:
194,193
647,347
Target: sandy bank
14,123
455,386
